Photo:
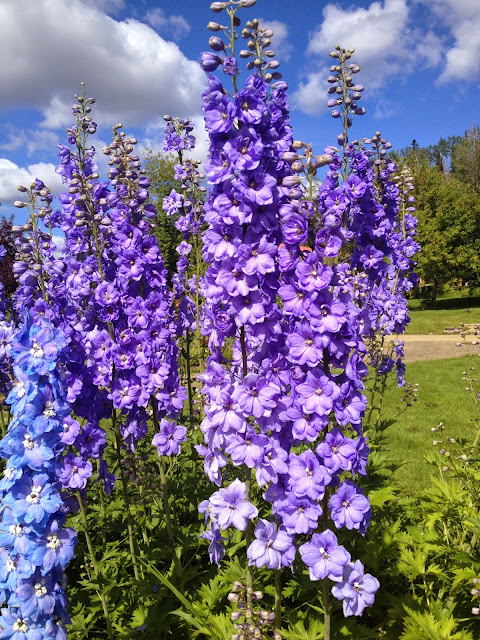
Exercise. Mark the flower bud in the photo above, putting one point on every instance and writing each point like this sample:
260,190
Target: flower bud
214,26
247,3
290,156
244,53
217,7
209,61
19,204
297,167
216,43
290,181
335,113
360,111
21,188
298,144
322,160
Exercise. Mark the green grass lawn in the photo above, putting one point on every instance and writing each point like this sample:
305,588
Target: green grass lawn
447,312
441,398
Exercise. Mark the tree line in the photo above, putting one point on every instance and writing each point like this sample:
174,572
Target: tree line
447,190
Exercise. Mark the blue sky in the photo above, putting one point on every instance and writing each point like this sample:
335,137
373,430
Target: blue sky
139,58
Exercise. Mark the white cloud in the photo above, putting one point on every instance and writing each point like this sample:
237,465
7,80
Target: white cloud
385,44
384,109
59,242
174,26
283,49
49,46
11,175
32,140
311,95
462,18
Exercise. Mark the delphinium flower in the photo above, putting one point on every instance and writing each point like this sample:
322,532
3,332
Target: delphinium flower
116,291
384,251
326,352
378,215
36,548
249,132
186,208
120,313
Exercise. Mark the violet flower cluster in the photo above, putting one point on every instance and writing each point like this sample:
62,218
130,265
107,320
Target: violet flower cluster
249,133
384,230
289,405
187,209
35,546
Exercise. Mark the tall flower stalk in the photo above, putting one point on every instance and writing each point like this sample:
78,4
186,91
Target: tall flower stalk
36,548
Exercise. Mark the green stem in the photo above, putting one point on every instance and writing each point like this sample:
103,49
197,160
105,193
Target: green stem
326,607
131,541
102,510
188,338
197,305
326,591
166,505
4,428
380,403
93,559
278,599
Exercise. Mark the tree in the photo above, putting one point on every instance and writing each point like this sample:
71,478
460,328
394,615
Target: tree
448,228
160,169
466,158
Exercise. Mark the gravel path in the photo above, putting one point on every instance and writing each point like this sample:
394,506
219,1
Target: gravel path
436,347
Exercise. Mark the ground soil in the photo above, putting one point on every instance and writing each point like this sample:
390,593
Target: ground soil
436,347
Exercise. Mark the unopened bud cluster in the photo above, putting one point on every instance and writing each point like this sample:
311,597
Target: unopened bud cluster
251,621
380,147
346,93
34,246
258,51
306,163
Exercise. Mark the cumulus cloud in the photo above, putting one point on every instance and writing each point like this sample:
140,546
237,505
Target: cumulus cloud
32,140
11,175
462,19
311,95
175,27
280,44
133,72
386,43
